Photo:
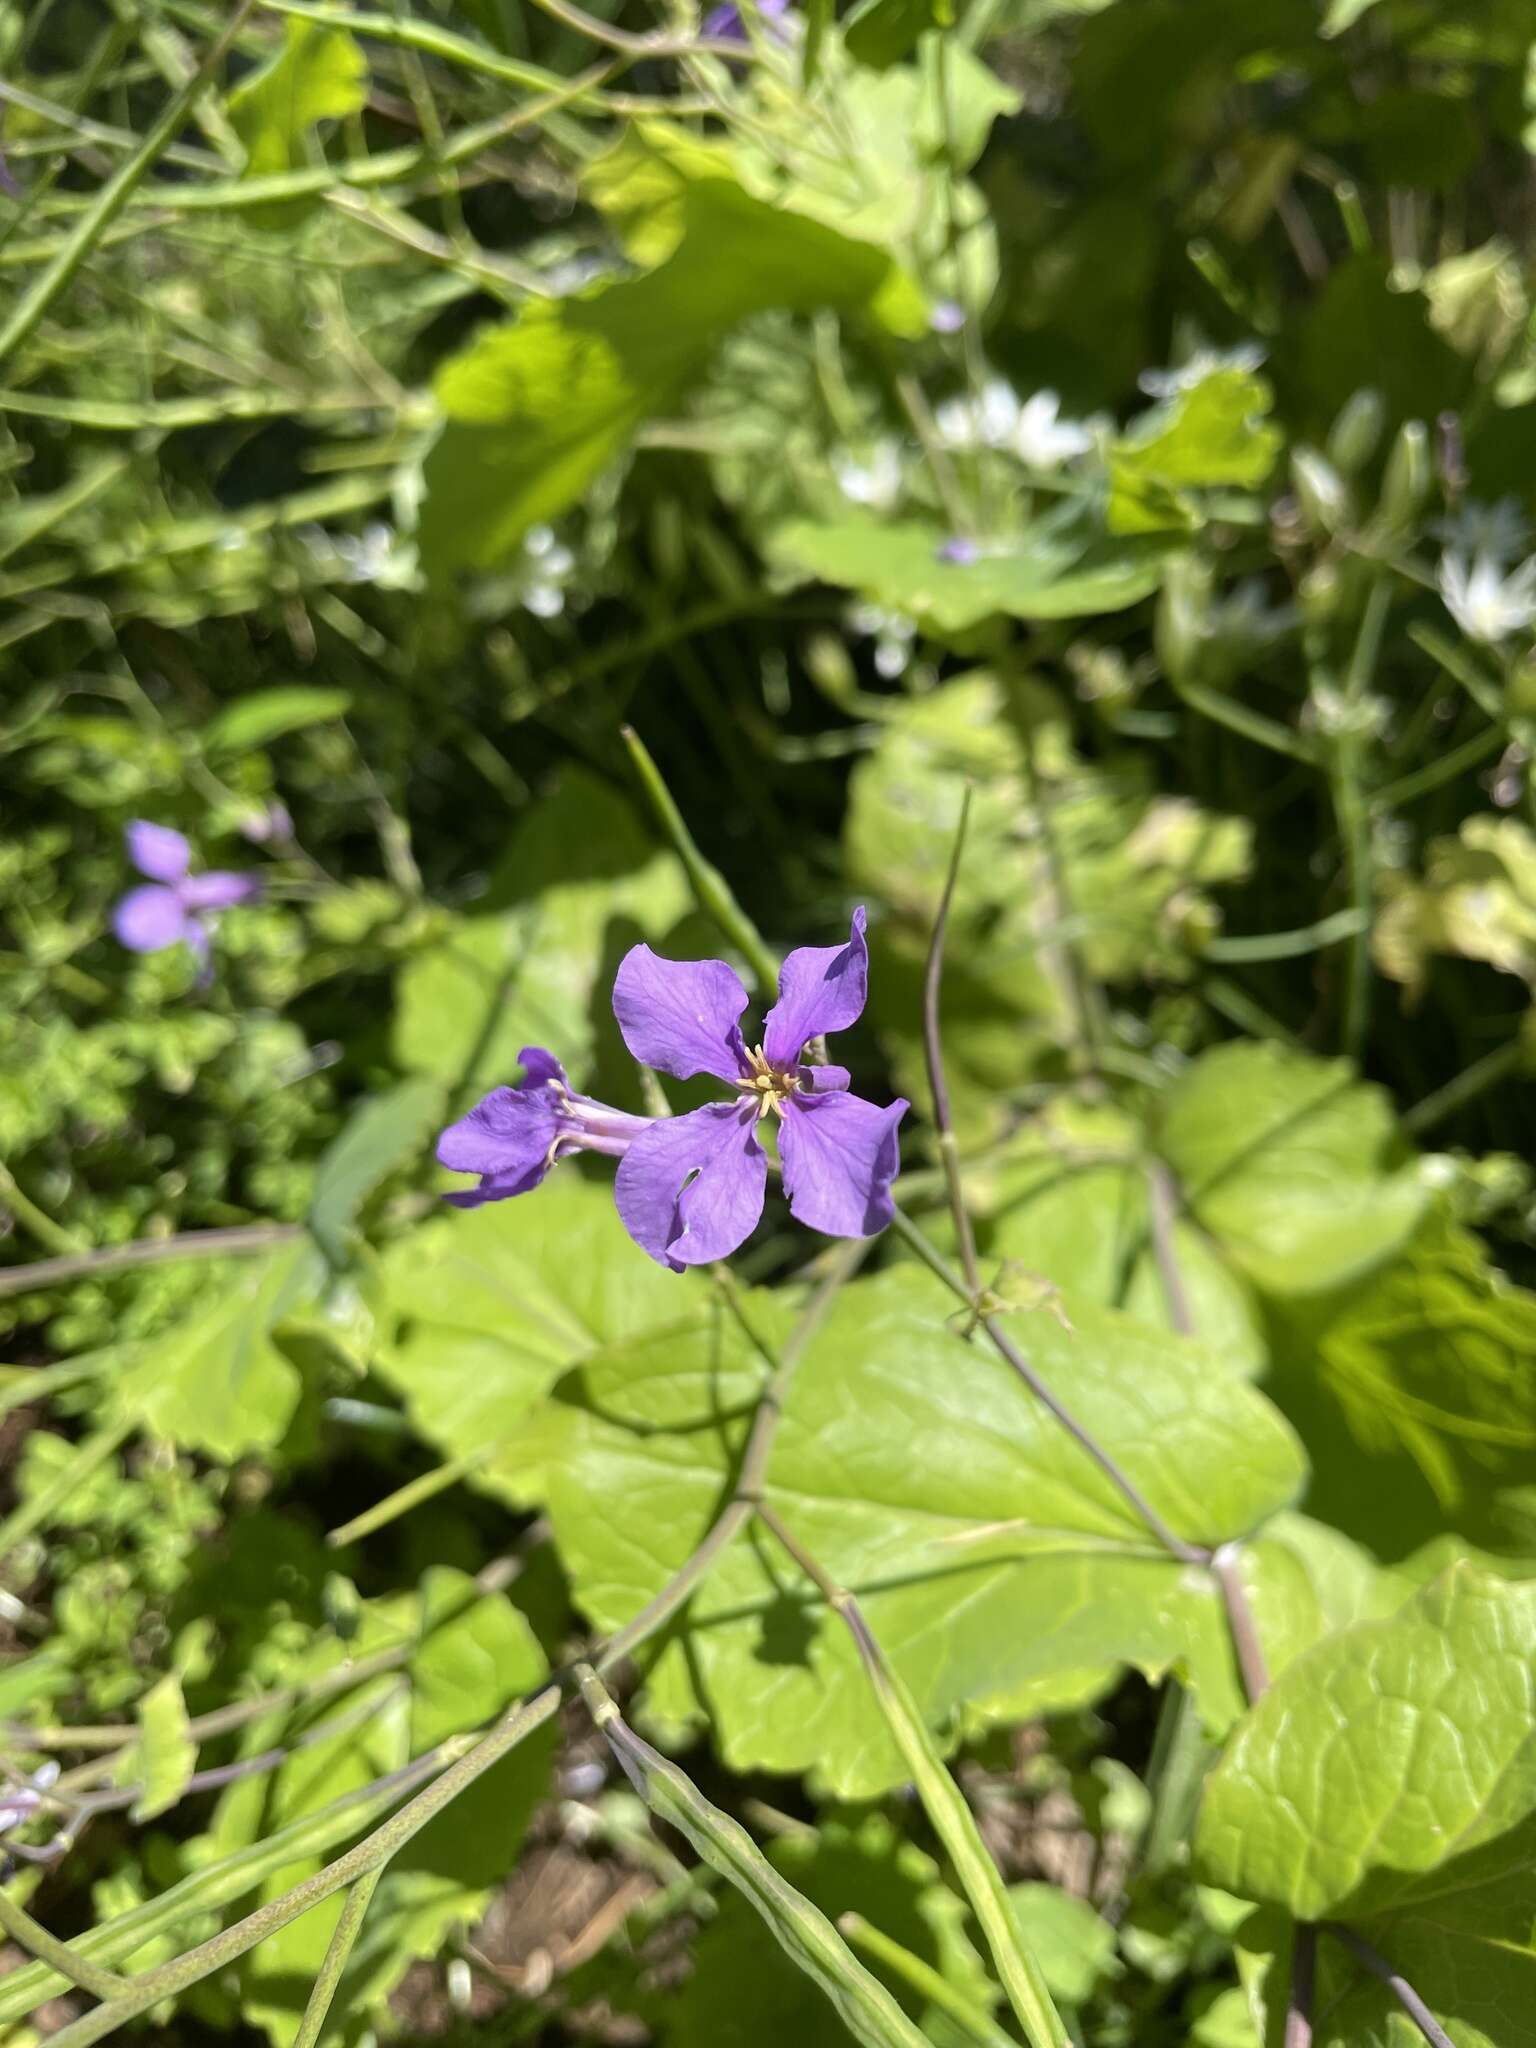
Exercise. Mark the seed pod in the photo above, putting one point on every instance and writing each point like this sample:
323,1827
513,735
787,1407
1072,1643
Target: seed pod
1409,477
1320,491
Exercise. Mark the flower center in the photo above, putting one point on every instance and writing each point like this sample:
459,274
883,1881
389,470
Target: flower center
771,1087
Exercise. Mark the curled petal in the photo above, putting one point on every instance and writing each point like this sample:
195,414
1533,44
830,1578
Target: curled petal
506,1137
840,1156
680,1015
825,1080
218,889
148,920
539,1065
157,851
821,988
691,1188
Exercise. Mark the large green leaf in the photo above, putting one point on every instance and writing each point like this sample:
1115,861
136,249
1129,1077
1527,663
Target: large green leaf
495,1303
1293,1166
535,410
987,1550
386,1130
1214,433
580,883
1388,1780
1059,567
467,1656
217,1382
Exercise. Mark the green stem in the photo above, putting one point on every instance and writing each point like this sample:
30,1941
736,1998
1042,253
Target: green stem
1249,724
1311,938
972,2020
1471,1082
426,1487
40,1508
343,1939
240,1240
1174,1775
114,195
38,1221
37,1941
709,886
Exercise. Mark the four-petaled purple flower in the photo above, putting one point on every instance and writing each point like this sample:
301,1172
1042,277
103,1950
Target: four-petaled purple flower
690,1188
175,904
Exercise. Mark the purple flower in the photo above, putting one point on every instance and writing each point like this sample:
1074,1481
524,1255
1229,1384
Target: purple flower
725,25
177,904
514,1136
960,552
690,1188
270,821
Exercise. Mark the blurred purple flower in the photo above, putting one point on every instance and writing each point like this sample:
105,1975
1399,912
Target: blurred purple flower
690,1188
725,25
959,552
514,1135
947,316
176,905
270,822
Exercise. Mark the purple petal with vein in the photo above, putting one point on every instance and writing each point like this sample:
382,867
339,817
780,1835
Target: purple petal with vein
691,1189
821,989
680,1015
840,1156
218,889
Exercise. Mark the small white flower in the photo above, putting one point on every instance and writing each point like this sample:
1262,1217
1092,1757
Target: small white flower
19,1801
1042,438
1196,368
1497,531
877,482
1487,604
547,563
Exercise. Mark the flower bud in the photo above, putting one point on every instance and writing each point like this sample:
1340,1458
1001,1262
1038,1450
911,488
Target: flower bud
1409,476
1183,622
1356,434
1321,492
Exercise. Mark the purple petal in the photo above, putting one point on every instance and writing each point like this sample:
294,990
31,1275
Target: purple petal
218,889
539,1065
821,988
680,1015
148,920
157,851
691,1189
823,1080
507,1137
840,1156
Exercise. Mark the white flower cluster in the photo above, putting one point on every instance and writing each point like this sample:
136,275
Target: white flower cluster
1031,429
1484,590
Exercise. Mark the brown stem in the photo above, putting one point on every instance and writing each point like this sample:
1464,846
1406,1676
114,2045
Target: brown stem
238,1242
1395,1982
1298,2011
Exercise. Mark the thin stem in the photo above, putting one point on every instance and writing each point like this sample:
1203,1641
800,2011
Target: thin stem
1298,2009
709,885
1186,1553
1162,1213
1291,945
1466,1086
115,194
746,1494
1354,814
1395,1982
343,1939
372,1853
933,1048
39,1508
1249,724
972,2020
425,1487
239,1241
1174,1773
1252,1665
38,1221
37,1941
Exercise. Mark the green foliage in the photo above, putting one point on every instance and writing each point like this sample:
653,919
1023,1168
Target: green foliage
1116,417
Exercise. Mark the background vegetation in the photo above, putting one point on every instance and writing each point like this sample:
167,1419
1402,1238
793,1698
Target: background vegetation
1124,410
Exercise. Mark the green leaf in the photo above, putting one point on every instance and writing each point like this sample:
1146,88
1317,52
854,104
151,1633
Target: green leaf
217,1382
466,1656
1388,1779
496,1303
1058,567
1415,1386
256,719
986,1550
1477,900
537,409
580,883
882,32
1215,433
386,1130
1074,1945
1343,14
841,1867
316,74
165,1755
1293,1166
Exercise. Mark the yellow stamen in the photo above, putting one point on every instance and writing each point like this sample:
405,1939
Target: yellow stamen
771,1087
